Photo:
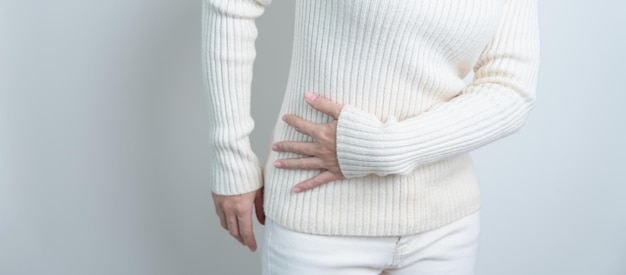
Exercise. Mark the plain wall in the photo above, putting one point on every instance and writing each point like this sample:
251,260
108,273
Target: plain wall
103,149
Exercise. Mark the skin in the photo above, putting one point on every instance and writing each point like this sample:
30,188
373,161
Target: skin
322,153
235,212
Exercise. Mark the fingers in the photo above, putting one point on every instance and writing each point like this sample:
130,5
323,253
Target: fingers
300,163
219,211
298,147
235,214
222,216
245,230
322,178
302,125
240,227
323,104
233,227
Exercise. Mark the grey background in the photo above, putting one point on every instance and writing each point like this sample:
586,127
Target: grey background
103,149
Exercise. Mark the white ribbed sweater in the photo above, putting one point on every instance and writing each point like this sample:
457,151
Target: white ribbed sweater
409,120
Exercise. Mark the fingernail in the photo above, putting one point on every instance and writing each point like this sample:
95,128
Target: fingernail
297,189
274,147
277,164
311,96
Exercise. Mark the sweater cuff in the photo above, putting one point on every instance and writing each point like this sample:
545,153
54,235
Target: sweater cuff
235,171
359,149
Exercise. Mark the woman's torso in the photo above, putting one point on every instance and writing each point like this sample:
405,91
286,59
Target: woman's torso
390,58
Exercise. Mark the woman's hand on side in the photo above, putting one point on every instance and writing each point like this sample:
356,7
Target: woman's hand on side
322,153
235,213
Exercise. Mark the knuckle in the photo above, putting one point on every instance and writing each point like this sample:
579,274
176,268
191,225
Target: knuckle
241,209
322,134
283,146
306,165
316,183
306,186
316,132
230,213
328,139
324,151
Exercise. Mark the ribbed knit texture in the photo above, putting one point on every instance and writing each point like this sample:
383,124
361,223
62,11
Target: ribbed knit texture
409,120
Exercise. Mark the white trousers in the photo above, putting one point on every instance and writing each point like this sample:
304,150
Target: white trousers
450,249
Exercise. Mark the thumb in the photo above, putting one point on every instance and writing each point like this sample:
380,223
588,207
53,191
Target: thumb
258,205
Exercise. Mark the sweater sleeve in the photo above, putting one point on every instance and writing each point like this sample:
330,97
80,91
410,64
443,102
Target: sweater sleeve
228,52
494,105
